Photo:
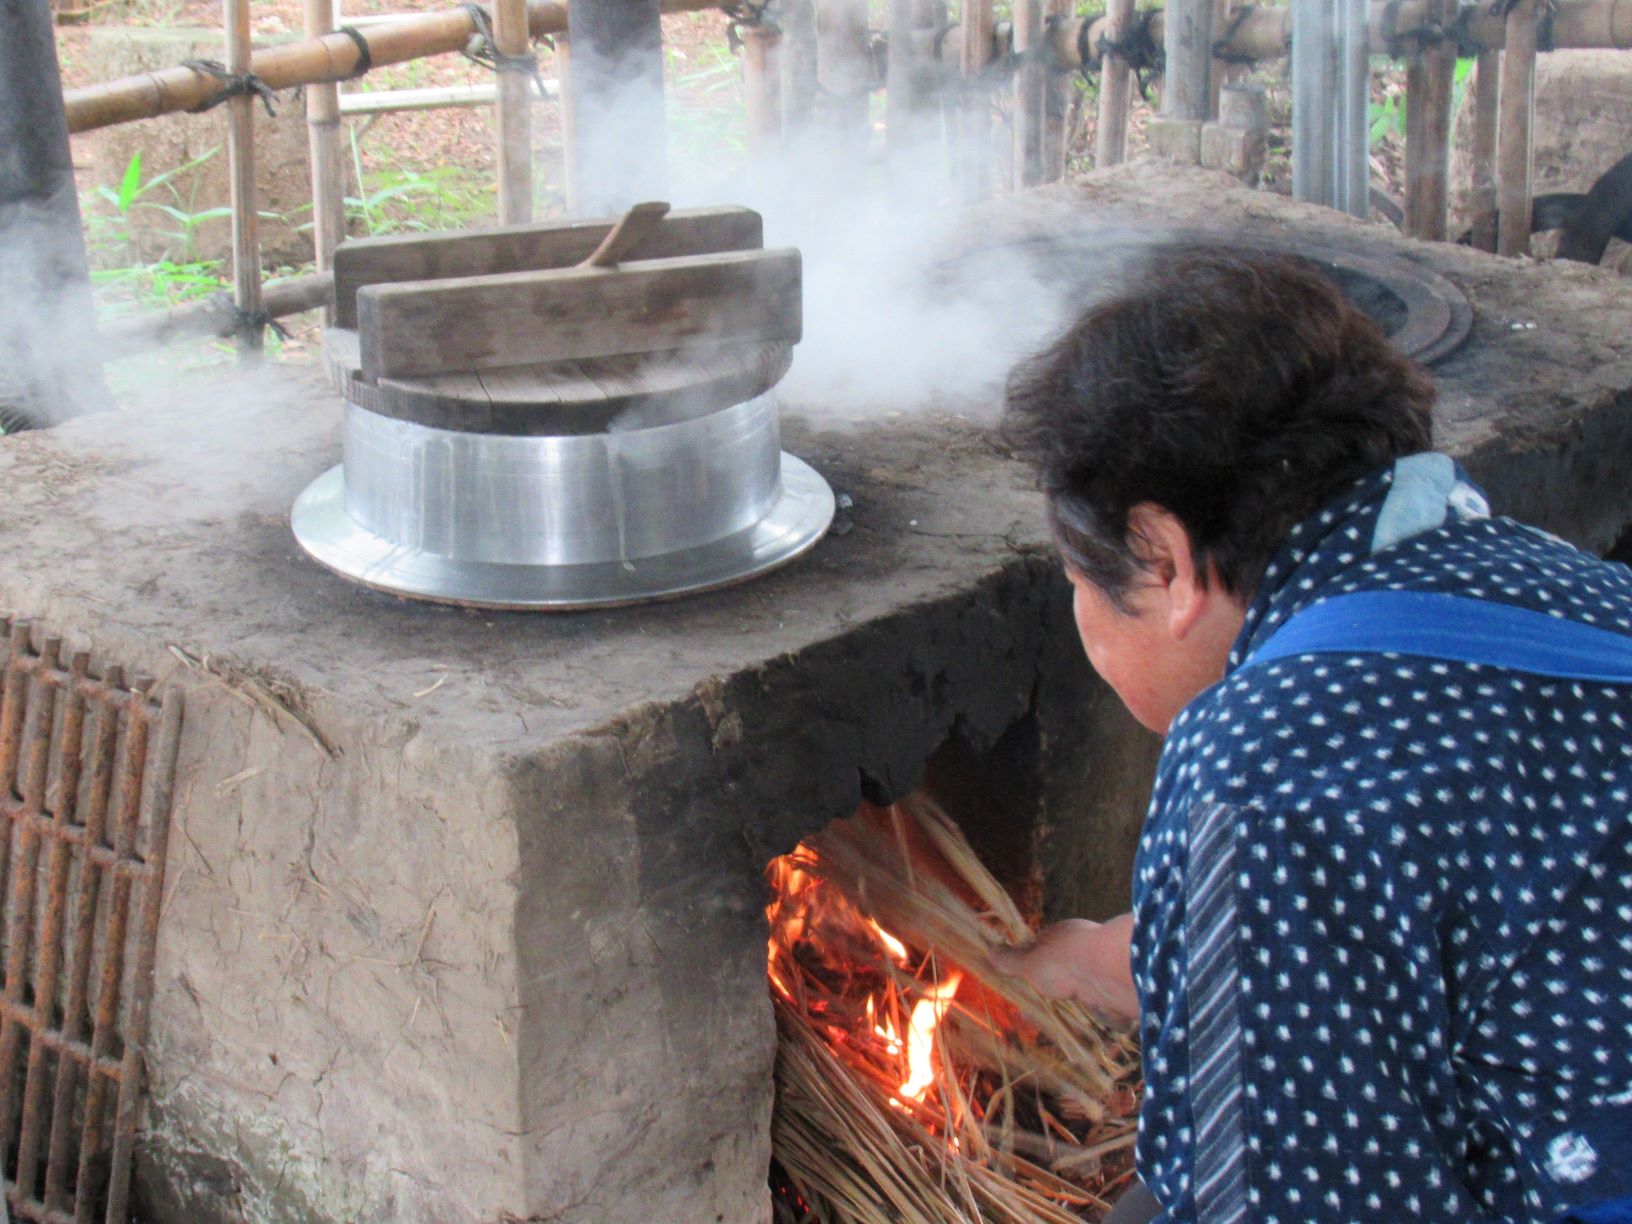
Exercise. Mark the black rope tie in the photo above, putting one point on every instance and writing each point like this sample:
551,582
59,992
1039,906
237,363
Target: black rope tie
1466,47
365,54
241,322
233,85
248,322
1222,51
483,49
747,15
1545,34
1420,39
1544,31
1392,42
1139,49
1085,49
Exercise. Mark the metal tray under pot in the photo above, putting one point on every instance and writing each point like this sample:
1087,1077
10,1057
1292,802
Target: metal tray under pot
573,485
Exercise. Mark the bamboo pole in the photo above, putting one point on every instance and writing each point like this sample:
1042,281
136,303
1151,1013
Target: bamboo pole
910,98
333,57
845,75
323,140
1261,35
1416,90
1428,88
1187,44
213,316
437,97
570,192
1437,119
1059,88
1115,89
619,145
797,56
762,87
246,222
1516,110
1026,165
1486,92
901,102
1218,74
514,119
974,100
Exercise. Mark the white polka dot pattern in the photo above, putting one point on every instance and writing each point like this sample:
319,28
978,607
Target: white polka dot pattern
1426,1006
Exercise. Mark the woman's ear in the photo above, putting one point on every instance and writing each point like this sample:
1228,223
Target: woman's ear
1165,549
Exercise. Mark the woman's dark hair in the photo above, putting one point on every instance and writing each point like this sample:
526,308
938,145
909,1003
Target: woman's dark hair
1238,390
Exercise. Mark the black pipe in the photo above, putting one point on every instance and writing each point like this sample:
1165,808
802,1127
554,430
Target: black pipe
615,88
48,366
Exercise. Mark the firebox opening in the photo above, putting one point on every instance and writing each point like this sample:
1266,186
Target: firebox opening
914,1080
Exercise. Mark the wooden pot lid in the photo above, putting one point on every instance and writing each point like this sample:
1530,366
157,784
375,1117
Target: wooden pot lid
565,397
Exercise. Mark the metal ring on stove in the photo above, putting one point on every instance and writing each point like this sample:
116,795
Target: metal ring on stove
562,522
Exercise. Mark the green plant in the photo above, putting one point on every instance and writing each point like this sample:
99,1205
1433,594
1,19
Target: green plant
125,283
1387,117
131,197
1459,83
394,199
705,113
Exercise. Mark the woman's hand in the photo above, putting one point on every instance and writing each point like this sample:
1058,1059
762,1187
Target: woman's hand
1079,960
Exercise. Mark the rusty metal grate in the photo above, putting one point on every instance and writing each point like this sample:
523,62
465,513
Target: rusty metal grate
87,770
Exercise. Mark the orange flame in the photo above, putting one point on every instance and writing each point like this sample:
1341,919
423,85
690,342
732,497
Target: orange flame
927,1015
892,945
822,923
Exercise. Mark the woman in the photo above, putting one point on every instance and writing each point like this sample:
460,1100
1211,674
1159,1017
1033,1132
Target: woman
1381,941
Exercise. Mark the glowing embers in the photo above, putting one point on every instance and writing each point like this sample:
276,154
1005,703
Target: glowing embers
914,1083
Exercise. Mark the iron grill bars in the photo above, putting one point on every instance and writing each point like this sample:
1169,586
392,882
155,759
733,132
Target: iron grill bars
87,772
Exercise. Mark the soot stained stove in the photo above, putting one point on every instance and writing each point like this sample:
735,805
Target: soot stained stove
573,430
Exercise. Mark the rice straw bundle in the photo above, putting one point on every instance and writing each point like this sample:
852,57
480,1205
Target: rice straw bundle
880,935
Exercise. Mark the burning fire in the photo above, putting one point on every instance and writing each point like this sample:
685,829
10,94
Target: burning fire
813,923
913,1080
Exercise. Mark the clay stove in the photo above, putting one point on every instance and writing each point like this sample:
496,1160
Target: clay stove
464,909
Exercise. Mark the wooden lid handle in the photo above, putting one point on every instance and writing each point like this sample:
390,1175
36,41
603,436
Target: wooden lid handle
627,234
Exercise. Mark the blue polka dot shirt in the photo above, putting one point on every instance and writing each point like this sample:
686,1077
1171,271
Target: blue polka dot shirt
1383,903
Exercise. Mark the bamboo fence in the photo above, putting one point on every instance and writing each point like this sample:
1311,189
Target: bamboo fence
816,61
246,212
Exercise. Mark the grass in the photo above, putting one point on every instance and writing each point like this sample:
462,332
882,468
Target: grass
398,199
124,282
706,120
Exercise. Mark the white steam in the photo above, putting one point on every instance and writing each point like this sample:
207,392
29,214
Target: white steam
899,315
905,308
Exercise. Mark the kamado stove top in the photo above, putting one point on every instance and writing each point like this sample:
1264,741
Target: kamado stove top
535,420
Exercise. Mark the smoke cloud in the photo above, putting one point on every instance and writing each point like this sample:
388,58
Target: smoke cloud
906,307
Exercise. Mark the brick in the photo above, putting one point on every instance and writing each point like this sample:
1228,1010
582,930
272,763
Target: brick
1177,140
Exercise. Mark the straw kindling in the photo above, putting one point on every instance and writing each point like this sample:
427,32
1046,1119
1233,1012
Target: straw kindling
914,1082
